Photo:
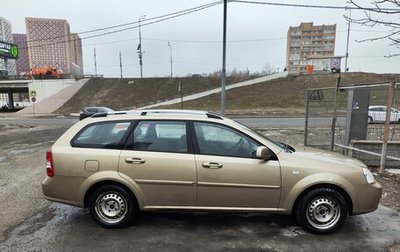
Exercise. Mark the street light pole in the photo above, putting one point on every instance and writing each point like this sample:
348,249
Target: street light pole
170,56
223,73
120,63
139,48
347,42
95,61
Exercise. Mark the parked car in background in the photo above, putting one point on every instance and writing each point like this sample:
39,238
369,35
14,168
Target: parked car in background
89,111
117,164
378,114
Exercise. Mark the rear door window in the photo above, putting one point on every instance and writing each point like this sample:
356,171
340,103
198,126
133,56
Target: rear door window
165,136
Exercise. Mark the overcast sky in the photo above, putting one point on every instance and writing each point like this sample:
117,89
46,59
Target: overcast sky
256,34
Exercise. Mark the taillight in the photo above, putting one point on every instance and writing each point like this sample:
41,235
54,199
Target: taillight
49,164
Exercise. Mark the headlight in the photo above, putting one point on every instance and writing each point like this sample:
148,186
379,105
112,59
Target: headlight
368,176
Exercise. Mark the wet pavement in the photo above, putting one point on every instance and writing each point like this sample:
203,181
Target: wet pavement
59,227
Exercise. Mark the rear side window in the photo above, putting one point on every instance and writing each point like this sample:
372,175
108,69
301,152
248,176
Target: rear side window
165,136
101,135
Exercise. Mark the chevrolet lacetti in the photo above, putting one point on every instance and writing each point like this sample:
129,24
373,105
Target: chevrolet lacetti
118,163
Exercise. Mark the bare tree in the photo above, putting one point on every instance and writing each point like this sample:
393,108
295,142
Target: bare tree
384,13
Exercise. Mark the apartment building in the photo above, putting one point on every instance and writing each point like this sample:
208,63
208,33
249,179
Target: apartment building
308,41
23,58
50,44
6,36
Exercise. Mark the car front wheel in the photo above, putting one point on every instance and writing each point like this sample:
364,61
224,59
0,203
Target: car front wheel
112,206
321,211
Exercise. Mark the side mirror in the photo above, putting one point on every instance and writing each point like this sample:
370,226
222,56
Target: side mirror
264,153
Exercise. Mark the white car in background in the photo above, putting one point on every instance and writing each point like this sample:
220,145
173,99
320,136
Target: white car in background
378,114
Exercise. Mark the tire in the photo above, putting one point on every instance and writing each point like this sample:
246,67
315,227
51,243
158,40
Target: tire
112,206
321,211
370,119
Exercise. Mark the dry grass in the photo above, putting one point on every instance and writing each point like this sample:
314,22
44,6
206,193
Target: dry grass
284,96
120,94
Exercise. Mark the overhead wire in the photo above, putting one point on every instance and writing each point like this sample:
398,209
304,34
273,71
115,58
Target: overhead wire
185,12
315,6
144,23
161,18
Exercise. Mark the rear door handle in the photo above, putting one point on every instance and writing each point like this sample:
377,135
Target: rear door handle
135,160
212,165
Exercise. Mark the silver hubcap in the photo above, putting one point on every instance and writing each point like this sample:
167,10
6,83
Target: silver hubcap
323,213
111,207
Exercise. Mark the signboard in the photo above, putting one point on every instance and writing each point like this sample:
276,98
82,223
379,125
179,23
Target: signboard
8,50
323,64
326,64
33,93
335,65
33,99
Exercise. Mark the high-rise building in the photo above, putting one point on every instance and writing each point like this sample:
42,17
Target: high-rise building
76,51
307,41
23,59
50,44
6,36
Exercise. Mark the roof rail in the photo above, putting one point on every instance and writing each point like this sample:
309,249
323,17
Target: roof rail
182,111
214,115
101,114
161,111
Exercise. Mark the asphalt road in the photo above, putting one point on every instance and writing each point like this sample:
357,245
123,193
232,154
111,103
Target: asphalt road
64,228
250,122
63,122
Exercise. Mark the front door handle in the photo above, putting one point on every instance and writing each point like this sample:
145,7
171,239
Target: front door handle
212,165
135,160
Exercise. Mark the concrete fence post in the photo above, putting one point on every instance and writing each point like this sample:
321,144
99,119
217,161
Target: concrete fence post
386,130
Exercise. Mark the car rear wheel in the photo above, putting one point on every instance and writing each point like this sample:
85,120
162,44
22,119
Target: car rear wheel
370,119
112,206
321,211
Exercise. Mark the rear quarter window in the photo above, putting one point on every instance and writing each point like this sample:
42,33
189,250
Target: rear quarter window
108,135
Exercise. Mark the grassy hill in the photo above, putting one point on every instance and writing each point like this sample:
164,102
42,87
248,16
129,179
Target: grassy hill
284,96
120,94
279,96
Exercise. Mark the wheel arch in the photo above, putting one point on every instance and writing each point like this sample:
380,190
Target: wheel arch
337,188
101,183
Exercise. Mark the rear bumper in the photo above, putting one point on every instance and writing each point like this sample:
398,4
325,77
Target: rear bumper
62,190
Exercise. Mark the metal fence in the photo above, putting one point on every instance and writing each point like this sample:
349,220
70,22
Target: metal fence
328,114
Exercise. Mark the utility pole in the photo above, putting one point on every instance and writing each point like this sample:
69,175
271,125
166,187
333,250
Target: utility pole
95,61
223,73
120,63
170,56
347,42
139,48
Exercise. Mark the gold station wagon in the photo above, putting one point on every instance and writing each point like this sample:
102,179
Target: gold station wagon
119,163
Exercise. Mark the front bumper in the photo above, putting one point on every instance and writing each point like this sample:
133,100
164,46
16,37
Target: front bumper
368,199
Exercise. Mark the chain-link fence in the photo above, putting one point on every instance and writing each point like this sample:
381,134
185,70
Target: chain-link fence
320,115
335,116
